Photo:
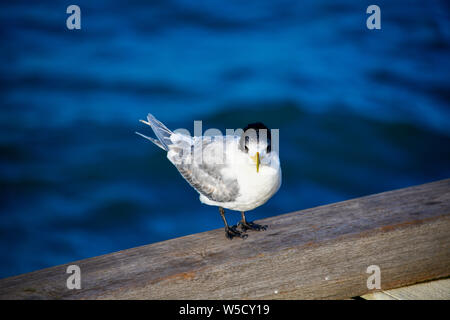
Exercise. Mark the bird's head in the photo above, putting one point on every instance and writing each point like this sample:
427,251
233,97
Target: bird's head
256,142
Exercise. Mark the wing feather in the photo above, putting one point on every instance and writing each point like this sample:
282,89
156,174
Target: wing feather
206,176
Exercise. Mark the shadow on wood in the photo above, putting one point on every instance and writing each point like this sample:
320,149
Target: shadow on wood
317,253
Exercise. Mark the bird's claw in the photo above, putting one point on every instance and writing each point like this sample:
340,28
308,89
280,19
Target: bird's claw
231,232
252,226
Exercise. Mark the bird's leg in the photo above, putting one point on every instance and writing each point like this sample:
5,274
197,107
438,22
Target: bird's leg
250,225
230,232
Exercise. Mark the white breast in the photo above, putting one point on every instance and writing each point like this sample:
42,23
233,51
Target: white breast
255,188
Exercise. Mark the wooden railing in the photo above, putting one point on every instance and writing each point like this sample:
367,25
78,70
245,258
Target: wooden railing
317,253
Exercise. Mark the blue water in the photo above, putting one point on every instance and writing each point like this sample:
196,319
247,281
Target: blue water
359,111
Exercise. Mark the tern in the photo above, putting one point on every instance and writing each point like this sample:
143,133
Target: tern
235,172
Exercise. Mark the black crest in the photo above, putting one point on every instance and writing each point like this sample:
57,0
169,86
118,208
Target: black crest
257,126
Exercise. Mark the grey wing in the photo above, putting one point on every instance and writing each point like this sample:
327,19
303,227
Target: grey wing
205,176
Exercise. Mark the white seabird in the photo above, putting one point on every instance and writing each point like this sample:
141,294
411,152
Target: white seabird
233,172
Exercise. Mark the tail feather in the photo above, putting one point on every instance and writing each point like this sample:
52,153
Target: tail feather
161,131
159,144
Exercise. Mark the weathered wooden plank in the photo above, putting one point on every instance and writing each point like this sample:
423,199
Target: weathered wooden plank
433,290
378,295
321,252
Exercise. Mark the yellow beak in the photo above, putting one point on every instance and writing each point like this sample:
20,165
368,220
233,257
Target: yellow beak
257,161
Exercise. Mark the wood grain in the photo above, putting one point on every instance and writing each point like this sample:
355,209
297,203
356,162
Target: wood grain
433,290
319,253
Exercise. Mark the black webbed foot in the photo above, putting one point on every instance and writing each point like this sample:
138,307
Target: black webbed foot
231,232
252,226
